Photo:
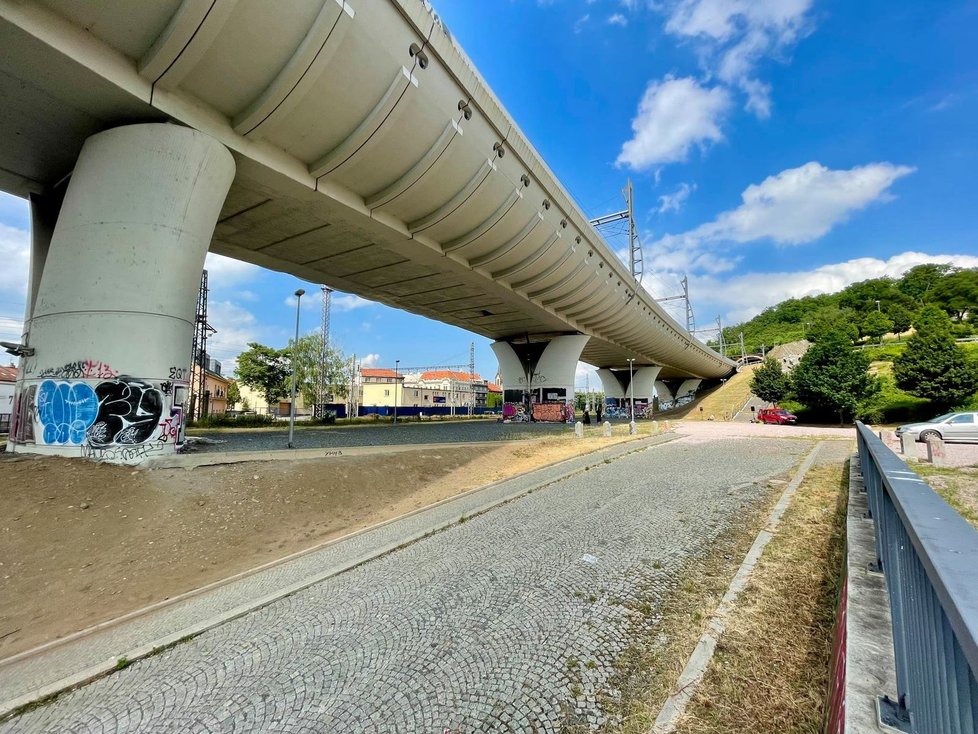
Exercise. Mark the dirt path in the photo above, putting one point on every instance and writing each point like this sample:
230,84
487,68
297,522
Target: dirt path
81,543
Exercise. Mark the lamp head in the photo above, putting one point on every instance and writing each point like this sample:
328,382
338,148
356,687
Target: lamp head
300,293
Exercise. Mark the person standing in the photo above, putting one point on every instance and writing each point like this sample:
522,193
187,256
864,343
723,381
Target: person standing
598,409
587,417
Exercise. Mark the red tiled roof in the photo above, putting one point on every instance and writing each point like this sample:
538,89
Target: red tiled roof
449,375
493,387
379,372
8,374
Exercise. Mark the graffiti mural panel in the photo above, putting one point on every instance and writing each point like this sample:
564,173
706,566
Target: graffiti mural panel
65,410
129,412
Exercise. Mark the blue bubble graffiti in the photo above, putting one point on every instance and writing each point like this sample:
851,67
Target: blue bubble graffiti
65,411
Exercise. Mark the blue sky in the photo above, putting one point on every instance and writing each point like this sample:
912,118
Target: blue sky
777,147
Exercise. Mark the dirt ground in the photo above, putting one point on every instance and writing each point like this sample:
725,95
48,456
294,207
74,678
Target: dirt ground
81,543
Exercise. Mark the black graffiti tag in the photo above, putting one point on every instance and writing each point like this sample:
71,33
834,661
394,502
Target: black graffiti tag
129,412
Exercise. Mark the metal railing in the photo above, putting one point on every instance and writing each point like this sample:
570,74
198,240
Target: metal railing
929,556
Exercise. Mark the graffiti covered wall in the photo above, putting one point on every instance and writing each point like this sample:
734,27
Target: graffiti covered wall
121,419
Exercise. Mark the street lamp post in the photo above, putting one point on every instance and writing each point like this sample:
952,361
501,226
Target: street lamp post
878,306
295,360
397,362
631,391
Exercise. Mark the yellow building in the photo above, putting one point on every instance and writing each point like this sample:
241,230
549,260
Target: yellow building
255,401
380,387
215,397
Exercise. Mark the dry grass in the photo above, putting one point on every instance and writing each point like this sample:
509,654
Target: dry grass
771,668
958,487
648,670
724,401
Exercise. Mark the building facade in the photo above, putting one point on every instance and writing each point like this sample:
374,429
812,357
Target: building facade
215,397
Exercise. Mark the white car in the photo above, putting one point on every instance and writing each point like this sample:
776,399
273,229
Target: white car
962,427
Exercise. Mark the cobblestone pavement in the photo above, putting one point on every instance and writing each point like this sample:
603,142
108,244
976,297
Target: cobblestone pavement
380,435
509,622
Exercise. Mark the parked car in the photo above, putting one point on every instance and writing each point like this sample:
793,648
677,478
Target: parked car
960,427
776,416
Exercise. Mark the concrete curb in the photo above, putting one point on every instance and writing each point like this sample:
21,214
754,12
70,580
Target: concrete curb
699,660
10,707
192,461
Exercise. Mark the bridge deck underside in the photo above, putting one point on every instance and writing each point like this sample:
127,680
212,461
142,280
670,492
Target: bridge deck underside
371,157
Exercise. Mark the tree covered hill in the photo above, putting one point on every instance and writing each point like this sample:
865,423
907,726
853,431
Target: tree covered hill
866,310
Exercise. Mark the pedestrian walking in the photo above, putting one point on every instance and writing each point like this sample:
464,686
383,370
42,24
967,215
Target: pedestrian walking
587,418
598,409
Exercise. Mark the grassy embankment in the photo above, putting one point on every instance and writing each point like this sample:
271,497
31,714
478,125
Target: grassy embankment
771,668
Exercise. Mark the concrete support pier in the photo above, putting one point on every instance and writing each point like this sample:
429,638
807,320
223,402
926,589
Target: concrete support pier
110,315
619,391
538,377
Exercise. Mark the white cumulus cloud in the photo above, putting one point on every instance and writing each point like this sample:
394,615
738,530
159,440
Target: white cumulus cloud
236,327
370,360
15,254
349,302
617,19
738,34
224,272
795,206
743,296
674,116
674,202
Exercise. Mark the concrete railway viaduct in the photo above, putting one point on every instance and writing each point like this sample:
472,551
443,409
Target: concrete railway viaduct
348,142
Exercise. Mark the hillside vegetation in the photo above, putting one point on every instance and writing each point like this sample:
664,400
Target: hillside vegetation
866,310
903,330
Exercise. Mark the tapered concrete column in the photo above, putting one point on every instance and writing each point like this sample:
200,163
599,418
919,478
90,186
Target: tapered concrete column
616,384
112,320
688,388
612,383
643,384
538,378
663,392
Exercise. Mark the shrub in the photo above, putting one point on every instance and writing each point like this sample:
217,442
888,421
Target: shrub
223,420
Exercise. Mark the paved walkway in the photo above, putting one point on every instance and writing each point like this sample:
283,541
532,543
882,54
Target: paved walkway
510,621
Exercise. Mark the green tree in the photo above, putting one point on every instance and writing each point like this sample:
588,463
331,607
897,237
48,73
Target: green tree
233,395
494,399
875,324
901,317
832,376
834,321
307,368
769,382
933,366
957,293
264,369
920,280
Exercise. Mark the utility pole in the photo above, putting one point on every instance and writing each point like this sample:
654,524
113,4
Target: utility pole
690,325
471,379
634,246
198,381
634,243
322,383
743,352
723,347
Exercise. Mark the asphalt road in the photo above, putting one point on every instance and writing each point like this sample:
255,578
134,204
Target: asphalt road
511,621
379,435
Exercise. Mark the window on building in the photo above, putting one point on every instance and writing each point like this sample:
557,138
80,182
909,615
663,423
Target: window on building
387,393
